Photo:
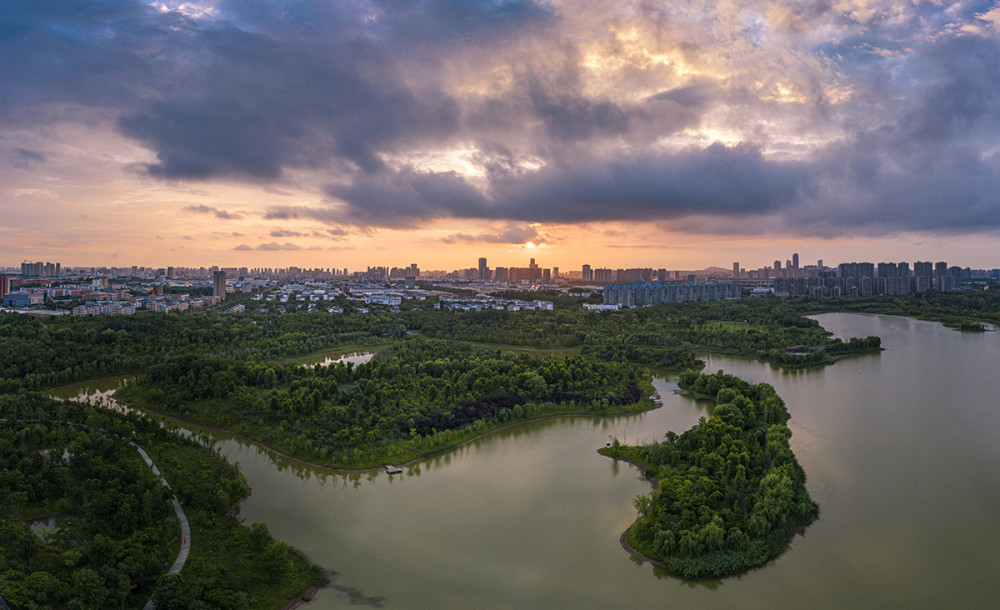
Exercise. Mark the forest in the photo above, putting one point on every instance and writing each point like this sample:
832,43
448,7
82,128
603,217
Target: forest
85,524
964,311
41,353
415,398
729,492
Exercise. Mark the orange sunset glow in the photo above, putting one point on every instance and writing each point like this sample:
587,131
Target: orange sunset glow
677,135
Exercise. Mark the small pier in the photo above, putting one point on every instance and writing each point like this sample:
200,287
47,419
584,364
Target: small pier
390,469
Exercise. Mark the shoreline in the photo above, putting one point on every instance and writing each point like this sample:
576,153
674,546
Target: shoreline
623,539
335,470
631,550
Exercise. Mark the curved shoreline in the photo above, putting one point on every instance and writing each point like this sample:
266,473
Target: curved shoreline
335,470
623,539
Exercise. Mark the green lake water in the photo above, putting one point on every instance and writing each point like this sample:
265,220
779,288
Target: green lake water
901,450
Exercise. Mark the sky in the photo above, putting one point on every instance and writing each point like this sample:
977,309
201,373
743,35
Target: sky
670,134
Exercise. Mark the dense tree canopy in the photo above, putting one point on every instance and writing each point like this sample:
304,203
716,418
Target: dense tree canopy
40,353
419,392
729,491
84,523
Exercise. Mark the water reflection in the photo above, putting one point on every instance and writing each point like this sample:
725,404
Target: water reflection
529,517
354,357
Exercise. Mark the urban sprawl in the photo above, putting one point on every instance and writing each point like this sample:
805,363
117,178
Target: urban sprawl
52,288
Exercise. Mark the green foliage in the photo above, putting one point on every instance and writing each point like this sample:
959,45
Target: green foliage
416,396
960,310
729,491
113,528
664,337
114,533
41,353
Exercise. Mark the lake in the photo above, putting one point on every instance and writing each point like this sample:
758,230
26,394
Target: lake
900,450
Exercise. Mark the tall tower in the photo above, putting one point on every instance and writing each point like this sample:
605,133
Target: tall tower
482,268
219,284
940,276
795,261
736,271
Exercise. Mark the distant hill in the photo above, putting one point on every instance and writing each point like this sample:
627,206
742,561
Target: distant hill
710,271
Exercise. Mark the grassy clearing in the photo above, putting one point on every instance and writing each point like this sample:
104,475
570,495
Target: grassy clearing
541,352
725,325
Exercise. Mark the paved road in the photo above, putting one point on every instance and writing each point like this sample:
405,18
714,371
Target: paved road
185,526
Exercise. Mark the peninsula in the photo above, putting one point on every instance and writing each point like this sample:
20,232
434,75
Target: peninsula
729,491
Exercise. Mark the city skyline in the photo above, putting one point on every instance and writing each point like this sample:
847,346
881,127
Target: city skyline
792,268
326,135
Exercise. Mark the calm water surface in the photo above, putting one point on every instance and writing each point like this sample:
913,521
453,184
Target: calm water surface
900,449
355,358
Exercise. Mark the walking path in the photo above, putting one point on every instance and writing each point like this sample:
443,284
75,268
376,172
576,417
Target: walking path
185,526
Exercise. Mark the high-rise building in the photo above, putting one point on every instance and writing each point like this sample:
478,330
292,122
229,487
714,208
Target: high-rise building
482,269
4,286
587,275
736,270
795,261
941,276
219,284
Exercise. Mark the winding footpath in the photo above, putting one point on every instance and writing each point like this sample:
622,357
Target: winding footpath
182,555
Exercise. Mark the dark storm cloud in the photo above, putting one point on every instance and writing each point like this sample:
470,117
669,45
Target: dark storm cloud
402,198
571,118
265,104
935,166
894,125
716,180
247,93
964,94
712,181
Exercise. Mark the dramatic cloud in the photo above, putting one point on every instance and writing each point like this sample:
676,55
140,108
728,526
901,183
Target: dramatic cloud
716,180
816,118
508,235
